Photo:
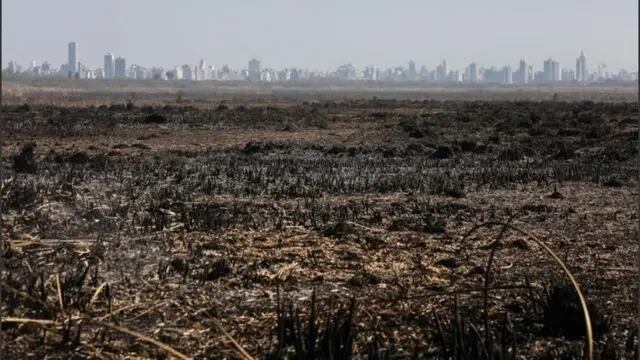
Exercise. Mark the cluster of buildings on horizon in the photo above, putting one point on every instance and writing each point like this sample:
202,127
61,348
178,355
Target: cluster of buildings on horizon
116,68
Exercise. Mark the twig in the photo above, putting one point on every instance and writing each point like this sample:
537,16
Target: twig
98,321
365,227
153,307
59,290
95,294
241,351
140,336
135,334
28,321
116,311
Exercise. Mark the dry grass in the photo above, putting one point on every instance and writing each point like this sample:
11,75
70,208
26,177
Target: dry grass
186,245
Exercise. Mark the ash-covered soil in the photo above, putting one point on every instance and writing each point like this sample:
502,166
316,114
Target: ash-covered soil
178,221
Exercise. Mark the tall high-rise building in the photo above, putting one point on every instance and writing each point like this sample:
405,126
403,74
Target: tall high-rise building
187,72
120,66
109,66
72,58
442,71
523,72
343,72
556,71
210,74
552,70
254,70
412,74
455,76
507,75
603,74
13,67
158,74
472,73
547,69
202,70
491,75
581,68
568,75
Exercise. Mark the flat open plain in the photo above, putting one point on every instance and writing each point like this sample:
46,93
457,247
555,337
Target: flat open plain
179,212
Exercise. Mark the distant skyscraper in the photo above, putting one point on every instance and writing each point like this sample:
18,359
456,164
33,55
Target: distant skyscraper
412,74
523,72
568,75
120,66
73,58
370,73
547,69
139,72
202,70
602,72
507,75
442,71
177,73
158,74
211,73
556,71
490,75
254,70
109,66
187,73
552,70
473,73
343,72
13,68
581,68
455,76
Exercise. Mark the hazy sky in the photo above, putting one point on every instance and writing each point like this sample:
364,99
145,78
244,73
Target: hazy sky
323,34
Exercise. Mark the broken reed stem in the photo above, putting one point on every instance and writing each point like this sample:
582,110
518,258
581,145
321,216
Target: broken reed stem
133,333
141,337
148,310
366,227
28,321
95,294
96,321
109,314
243,354
59,290
574,283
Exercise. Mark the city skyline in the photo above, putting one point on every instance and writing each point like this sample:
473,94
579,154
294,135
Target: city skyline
526,73
443,64
324,36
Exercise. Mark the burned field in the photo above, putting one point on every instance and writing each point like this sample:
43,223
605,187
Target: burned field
355,228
